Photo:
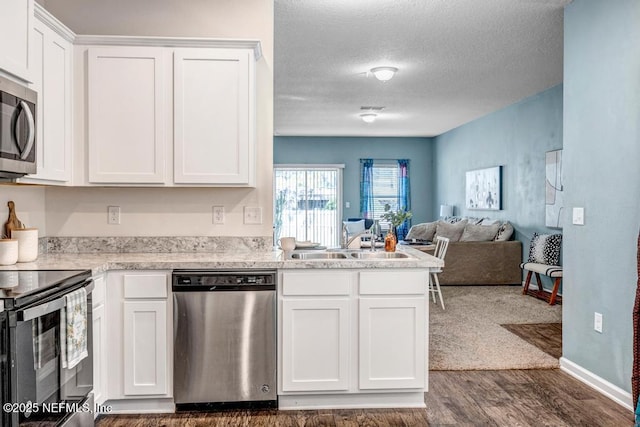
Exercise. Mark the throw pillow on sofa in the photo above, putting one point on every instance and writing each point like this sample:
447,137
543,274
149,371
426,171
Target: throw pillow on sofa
504,232
479,233
545,248
452,231
423,231
457,219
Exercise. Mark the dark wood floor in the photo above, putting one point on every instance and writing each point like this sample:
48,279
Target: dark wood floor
456,398
546,336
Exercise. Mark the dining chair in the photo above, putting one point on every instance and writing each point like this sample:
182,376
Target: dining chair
442,243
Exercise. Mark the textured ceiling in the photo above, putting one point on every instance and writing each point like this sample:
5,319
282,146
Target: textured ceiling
458,60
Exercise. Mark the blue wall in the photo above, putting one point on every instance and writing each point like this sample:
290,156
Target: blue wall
602,170
516,137
349,151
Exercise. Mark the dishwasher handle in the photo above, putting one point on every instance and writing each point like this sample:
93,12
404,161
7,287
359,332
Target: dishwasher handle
222,288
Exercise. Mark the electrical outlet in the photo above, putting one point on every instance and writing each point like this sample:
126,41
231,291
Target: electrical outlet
347,205
113,215
218,214
252,215
597,322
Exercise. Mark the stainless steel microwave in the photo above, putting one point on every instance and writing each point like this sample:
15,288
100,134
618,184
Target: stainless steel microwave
17,130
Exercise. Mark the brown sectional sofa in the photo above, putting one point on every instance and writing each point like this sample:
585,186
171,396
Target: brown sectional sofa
482,263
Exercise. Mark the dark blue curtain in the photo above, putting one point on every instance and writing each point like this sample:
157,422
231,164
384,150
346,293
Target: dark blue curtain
404,196
366,188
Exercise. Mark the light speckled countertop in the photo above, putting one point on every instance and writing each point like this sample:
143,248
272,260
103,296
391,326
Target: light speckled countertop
270,259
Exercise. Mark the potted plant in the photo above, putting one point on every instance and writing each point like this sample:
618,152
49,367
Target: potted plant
396,219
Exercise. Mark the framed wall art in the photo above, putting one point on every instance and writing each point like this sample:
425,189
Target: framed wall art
554,187
483,189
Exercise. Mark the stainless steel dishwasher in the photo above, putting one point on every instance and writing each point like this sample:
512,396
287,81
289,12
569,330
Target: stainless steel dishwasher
224,339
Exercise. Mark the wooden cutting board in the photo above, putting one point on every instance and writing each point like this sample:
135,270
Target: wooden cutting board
13,222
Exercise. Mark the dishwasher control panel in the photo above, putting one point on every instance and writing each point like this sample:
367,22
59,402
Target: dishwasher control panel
223,280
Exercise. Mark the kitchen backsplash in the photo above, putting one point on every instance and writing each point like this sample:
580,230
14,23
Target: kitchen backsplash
154,244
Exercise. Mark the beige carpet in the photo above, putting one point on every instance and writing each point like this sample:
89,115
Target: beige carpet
467,335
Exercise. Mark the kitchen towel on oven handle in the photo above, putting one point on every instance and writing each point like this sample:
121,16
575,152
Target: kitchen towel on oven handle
73,329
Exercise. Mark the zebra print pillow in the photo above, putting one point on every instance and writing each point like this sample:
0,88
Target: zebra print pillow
545,249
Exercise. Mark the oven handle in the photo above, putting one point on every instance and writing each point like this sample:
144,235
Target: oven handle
48,307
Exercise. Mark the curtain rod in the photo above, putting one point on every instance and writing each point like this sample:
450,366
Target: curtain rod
390,160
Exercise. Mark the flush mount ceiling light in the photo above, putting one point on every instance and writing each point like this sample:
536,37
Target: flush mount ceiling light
384,73
368,117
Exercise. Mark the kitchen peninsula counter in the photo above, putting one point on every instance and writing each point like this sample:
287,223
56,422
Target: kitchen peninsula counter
351,332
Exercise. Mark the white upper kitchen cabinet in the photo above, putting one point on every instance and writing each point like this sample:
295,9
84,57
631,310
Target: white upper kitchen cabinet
214,129
125,115
16,22
52,79
168,112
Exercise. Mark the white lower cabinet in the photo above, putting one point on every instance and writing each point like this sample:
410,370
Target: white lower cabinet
318,360
140,341
352,337
391,342
145,344
392,329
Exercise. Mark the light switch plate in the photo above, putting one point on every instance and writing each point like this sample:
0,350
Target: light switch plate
578,216
597,322
252,215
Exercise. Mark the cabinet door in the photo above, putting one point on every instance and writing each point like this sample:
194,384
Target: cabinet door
213,116
99,340
145,347
99,350
126,115
315,344
392,343
52,80
15,37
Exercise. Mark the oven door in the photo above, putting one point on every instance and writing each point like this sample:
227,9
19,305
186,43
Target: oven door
39,381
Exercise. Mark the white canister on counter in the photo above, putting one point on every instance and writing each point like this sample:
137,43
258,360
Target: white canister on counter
27,243
8,251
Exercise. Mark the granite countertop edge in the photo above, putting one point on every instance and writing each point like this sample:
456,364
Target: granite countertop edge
270,259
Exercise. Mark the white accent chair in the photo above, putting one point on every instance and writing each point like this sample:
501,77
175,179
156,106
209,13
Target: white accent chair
442,243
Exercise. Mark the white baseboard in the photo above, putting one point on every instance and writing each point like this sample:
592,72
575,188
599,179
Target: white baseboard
351,401
610,390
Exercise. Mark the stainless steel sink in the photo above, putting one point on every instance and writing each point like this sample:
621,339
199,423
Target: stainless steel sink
378,255
318,255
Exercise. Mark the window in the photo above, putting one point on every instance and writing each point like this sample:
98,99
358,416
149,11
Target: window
385,190
385,182
307,203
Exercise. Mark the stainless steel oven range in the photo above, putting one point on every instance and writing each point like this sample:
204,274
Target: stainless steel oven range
41,384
